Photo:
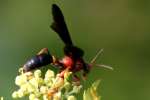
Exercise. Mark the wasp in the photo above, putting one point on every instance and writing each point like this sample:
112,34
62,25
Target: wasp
73,55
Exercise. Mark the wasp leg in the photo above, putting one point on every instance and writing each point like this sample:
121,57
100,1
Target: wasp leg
76,80
84,76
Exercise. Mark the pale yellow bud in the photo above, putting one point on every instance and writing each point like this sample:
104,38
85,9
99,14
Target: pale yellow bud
48,81
29,75
37,93
40,81
49,74
71,98
30,88
20,93
34,82
57,96
22,79
45,97
32,97
43,89
59,82
1,98
15,94
37,73
76,89
67,85
36,99
24,87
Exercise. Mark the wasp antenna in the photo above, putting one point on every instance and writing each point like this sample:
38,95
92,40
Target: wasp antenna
98,53
105,66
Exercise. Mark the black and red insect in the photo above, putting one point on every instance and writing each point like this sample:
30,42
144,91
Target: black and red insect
73,59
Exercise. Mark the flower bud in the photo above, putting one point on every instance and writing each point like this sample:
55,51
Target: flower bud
30,88
45,97
20,93
59,82
71,97
22,79
49,74
15,94
57,96
43,89
37,73
34,82
32,97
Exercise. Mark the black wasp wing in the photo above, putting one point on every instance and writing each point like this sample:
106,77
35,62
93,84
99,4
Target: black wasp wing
59,25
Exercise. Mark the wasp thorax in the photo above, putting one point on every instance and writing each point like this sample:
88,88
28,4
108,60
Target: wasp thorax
67,62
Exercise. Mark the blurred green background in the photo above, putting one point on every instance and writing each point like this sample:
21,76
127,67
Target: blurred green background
121,27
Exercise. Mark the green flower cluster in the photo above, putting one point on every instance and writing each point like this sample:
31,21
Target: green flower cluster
51,86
